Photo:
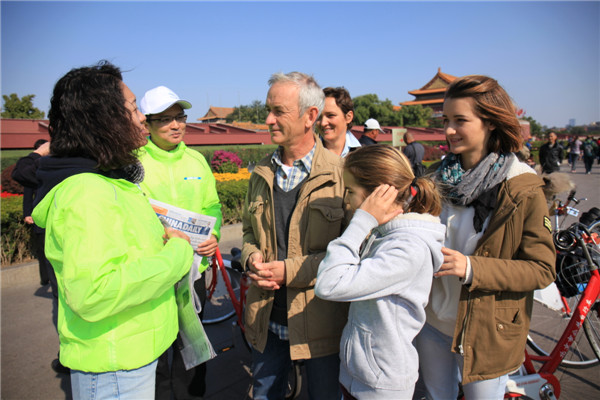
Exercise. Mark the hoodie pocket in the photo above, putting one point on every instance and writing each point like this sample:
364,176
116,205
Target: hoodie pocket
359,358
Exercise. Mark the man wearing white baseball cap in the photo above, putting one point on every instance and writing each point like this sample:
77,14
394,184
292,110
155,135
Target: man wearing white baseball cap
370,133
178,175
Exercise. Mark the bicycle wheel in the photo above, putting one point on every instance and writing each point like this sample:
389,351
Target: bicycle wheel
548,324
219,307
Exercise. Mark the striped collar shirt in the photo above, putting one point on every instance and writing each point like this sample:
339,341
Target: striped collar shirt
287,177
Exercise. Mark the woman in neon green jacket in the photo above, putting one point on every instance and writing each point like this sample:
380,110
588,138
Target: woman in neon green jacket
115,263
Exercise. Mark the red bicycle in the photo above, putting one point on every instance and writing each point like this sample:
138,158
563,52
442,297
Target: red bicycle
556,333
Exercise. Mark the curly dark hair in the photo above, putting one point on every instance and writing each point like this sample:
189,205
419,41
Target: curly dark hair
491,104
88,117
342,100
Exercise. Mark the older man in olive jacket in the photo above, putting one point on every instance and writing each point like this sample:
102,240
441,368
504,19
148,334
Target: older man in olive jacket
294,207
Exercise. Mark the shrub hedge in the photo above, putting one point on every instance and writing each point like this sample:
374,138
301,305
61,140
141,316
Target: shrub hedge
232,195
15,242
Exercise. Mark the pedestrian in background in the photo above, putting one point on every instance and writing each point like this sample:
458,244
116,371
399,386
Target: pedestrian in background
387,281
415,152
370,133
551,155
115,264
589,149
574,152
498,247
25,173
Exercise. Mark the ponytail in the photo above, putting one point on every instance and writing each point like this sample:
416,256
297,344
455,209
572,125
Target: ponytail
424,197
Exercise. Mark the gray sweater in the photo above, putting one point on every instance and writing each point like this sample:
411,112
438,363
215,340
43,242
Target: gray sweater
388,283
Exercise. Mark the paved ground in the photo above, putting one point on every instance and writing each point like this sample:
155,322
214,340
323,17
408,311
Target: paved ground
29,342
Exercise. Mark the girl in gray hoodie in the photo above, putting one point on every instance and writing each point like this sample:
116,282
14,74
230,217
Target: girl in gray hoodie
383,264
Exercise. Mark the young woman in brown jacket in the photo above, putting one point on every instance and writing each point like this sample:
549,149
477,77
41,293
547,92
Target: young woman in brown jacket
498,247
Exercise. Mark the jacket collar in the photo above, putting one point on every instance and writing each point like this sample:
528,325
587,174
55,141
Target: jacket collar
165,156
324,163
510,196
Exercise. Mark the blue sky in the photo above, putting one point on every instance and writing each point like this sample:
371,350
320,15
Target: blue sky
545,54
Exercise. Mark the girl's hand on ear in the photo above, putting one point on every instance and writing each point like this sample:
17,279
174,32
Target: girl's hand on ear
381,204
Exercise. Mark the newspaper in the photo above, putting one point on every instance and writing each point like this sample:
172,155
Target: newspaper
196,345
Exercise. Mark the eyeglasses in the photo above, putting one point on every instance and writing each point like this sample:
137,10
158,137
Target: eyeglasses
181,119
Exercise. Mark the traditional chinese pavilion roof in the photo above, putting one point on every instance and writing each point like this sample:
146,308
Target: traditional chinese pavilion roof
433,91
215,113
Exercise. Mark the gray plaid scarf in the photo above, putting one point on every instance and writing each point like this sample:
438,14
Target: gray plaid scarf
477,187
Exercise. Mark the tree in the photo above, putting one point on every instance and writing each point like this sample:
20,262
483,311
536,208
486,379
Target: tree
369,106
416,115
255,113
435,122
21,108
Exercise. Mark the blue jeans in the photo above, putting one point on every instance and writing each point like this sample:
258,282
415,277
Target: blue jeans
123,385
270,370
441,370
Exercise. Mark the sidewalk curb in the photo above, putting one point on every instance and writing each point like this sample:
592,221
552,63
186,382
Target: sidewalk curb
20,274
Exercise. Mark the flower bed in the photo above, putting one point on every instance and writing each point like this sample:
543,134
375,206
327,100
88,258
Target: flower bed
5,195
241,175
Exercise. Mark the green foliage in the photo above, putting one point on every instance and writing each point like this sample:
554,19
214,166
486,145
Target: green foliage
256,112
11,205
10,157
15,242
416,115
370,106
22,108
227,167
435,122
232,195
254,154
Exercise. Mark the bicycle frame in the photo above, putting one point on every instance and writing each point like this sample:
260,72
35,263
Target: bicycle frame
238,304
